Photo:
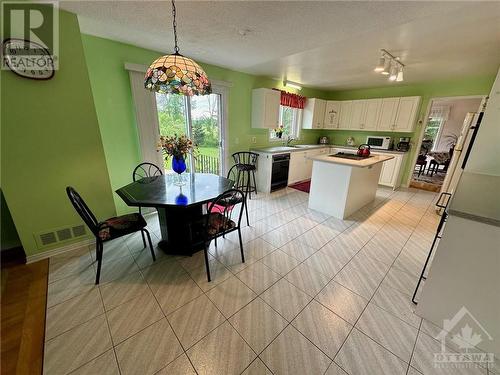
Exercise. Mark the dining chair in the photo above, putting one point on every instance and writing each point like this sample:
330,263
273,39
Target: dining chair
246,163
216,224
108,229
143,170
233,175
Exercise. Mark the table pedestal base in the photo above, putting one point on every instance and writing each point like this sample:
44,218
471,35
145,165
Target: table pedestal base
174,229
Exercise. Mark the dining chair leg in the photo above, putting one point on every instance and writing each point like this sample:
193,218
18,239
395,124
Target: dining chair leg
241,246
246,210
98,252
248,191
205,252
150,243
143,239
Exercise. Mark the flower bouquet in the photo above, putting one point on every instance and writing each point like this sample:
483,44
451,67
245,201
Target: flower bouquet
177,147
279,131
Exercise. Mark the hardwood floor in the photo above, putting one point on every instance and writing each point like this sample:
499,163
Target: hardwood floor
23,301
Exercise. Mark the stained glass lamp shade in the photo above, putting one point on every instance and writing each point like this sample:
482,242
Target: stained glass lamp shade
176,74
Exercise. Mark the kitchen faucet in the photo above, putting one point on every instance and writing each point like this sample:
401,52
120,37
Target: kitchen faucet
289,140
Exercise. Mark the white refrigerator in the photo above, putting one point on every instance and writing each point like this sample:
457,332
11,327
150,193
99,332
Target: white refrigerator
464,142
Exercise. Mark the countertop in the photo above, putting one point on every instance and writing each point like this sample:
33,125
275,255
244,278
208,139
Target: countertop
477,198
298,148
368,162
373,149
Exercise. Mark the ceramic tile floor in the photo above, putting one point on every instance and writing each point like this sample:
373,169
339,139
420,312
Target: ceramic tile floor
317,295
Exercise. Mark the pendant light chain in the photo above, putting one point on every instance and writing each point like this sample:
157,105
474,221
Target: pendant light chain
174,23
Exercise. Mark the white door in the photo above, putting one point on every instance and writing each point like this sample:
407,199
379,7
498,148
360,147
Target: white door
407,110
345,114
332,112
388,111
372,114
357,114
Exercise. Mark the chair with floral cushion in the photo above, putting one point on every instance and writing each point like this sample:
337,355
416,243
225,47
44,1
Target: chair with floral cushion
217,223
108,229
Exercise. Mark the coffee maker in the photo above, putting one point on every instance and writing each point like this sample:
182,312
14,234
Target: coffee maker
403,144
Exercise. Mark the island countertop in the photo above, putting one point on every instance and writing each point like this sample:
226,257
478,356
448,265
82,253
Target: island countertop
364,163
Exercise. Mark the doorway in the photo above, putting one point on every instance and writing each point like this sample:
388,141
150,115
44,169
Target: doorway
201,119
443,127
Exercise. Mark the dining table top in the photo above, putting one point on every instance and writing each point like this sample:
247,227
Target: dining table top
162,191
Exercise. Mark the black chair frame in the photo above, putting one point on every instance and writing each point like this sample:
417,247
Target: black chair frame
246,163
229,200
91,221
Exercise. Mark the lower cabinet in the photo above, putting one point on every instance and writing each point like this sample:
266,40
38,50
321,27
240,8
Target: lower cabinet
301,166
391,170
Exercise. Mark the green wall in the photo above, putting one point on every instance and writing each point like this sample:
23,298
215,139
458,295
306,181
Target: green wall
113,102
480,85
8,233
50,139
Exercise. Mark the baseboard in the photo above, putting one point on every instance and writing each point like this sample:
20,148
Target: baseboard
58,250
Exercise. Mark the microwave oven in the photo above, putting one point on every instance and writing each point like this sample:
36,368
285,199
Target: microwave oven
380,143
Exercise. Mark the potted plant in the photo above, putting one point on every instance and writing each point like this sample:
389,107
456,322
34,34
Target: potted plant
177,147
279,131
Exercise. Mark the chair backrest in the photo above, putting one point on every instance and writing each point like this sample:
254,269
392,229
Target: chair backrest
235,176
83,210
230,204
245,157
146,170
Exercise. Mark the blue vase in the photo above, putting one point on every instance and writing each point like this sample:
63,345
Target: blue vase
178,164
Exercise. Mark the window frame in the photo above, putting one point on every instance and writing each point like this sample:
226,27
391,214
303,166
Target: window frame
295,125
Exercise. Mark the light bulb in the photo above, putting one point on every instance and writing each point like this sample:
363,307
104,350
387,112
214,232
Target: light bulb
399,77
394,73
387,67
381,64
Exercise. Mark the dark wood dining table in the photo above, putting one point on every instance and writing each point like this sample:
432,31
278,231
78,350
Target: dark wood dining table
177,206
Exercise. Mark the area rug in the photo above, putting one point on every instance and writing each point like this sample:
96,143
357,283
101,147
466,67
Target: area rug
302,186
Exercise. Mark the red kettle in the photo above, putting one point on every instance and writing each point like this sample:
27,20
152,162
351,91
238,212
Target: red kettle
364,150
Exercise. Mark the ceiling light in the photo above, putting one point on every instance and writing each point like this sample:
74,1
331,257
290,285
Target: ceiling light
291,84
394,73
399,77
176,74
381,65
387,67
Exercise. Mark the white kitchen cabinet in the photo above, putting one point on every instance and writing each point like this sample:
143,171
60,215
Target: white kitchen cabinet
388,112
345,114
372,114
332,113
265,108
406,114
391,170
358,111
301,166
313,116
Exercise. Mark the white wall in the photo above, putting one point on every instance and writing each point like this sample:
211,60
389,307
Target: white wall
454,123
485,155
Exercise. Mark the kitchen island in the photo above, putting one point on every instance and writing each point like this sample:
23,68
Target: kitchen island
340,186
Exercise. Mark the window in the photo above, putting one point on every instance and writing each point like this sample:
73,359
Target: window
290,119
435,124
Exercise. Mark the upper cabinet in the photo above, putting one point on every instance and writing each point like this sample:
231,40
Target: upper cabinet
314,114
332,114
345,114
388,112
372,114
407,113
358,111
265,108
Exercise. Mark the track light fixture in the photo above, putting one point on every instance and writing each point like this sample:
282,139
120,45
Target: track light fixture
391,66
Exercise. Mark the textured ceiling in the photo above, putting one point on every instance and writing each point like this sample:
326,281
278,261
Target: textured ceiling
328,44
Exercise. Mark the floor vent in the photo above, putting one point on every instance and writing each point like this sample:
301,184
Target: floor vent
79,231
60,235
48,238
64,234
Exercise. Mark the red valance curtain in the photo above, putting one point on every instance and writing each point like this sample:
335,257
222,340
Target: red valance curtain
292,100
